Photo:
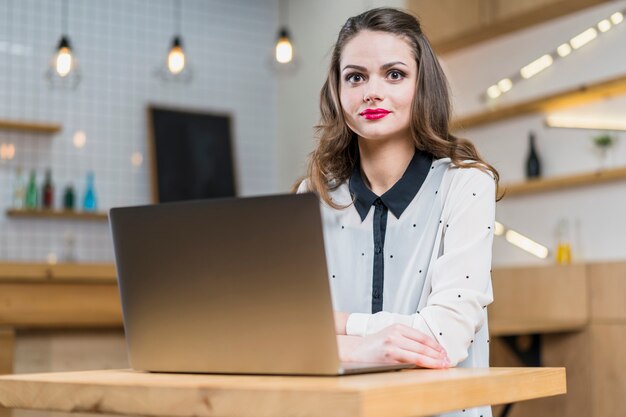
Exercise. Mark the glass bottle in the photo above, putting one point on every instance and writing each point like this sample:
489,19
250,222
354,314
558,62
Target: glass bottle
90,202
47,192
19,190
533,164
68,198
31,200
564,246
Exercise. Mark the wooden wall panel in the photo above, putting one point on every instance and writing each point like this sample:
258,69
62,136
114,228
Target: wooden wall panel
607,287
59,305
545,296
608,382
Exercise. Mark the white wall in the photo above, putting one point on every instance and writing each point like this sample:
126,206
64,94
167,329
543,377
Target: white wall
597,209
119,44
315,26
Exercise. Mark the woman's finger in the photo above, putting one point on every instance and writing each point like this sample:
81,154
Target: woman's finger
421,360
412,345
421,337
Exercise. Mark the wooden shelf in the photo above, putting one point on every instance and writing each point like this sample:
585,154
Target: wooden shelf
516,327
30,127
57,214
583,94
494,24
23,272
570,181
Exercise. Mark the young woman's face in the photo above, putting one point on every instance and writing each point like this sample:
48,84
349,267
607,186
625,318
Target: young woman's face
378,75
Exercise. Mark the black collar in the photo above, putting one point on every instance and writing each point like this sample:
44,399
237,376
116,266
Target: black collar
398,197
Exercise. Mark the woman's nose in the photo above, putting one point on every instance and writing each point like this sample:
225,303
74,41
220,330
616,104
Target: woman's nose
372,93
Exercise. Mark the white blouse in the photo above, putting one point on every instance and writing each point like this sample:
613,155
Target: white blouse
436,258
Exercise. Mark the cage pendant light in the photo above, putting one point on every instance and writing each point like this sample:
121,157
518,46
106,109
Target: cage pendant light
175,66
283,57
63,71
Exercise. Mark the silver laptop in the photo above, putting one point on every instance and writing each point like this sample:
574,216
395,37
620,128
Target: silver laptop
236,285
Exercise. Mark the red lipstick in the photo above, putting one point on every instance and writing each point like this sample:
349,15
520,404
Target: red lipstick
374,114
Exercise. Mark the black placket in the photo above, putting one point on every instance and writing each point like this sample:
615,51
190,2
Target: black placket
396,200
380,227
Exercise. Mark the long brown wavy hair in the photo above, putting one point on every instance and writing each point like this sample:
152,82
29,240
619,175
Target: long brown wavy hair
336,154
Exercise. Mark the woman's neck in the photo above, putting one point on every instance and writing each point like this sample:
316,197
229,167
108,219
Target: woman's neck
384,162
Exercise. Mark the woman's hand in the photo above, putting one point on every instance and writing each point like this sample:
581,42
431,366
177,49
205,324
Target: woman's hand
394,344
340,322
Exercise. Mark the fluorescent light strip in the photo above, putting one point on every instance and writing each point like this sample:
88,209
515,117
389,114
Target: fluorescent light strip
570,122
564,50
617,18
536,66
493,91
526,244
521,241
584,38
505,85
604,25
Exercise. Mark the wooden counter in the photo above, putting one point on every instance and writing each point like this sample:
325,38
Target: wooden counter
62,295
578,310
408,393
576,316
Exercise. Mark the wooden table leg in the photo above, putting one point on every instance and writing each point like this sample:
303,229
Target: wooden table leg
7,347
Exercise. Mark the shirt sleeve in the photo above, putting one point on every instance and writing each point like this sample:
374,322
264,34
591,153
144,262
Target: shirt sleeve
303,187
461,275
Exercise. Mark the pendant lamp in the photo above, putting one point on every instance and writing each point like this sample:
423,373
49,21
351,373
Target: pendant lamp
175,66
63,71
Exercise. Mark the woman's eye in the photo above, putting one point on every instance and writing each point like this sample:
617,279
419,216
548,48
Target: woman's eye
396,75
354,78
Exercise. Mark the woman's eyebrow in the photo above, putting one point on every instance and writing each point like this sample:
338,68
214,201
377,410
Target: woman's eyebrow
393,64
383,67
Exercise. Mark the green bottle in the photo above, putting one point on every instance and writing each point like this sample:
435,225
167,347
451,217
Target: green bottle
31,191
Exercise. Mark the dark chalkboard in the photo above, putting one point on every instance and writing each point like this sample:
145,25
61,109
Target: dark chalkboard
192,155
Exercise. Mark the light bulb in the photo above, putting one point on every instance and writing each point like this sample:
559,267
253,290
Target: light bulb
284,49
64,62
176,60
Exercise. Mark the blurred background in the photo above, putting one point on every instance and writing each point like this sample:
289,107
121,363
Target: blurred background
122,102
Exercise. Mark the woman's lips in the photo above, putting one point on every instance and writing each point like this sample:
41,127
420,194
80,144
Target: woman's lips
374,114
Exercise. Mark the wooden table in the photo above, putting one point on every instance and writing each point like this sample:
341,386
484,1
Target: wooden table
407,393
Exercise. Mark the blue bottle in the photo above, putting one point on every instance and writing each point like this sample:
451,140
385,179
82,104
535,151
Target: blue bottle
90,202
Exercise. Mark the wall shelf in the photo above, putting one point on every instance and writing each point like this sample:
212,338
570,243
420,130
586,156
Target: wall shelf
569,181
580,95
57,214
29,127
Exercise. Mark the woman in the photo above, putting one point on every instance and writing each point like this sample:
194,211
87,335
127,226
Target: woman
408,208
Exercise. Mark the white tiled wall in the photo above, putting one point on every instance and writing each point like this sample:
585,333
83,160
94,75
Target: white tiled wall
119,45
